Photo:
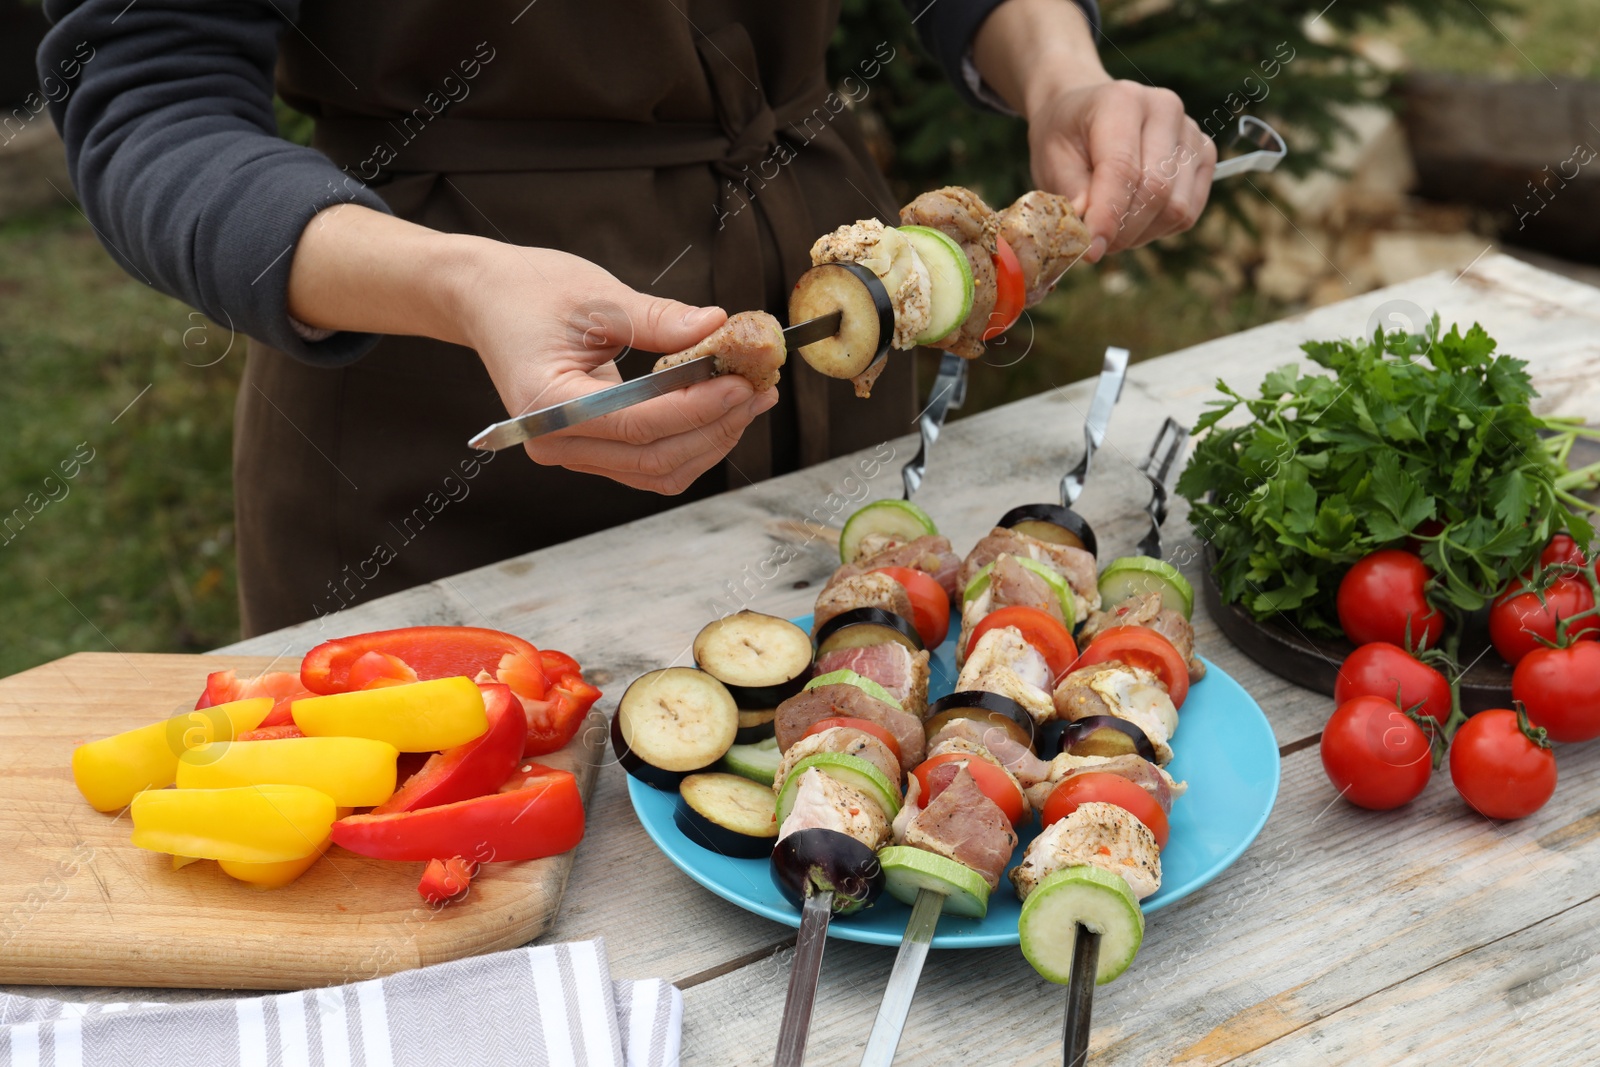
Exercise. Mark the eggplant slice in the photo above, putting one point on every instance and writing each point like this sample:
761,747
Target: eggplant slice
1052,523
672,722
761,659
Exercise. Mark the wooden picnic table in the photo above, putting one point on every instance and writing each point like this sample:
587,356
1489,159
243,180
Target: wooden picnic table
1426,935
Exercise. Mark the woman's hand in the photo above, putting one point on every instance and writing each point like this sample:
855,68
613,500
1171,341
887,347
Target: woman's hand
548,327
1134,165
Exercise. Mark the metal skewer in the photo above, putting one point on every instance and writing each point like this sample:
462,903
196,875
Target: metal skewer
802,994
1080,997
1157,467
891,1020
1113,372
949,392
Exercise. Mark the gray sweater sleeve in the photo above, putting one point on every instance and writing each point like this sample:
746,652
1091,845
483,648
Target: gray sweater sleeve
948,26
173,149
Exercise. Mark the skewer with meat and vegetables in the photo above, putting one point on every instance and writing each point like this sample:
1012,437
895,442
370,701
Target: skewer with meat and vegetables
954,274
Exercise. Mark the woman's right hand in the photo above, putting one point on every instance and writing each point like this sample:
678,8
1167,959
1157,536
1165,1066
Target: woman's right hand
547,326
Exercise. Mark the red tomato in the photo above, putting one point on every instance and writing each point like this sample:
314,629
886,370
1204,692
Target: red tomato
1380,593
866,726
1518,619
1107,789
1562,549
930,604
1375,756
1010,292
1560,687
1383,670
1039,629
1499,770
996,784
1139,647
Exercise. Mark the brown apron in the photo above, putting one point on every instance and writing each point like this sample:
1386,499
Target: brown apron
690,147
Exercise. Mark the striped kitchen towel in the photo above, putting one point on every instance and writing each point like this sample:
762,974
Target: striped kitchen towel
544,1006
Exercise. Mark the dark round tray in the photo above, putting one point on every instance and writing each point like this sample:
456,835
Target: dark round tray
1314,661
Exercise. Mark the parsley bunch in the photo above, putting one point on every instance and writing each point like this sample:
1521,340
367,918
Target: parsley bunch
1417,436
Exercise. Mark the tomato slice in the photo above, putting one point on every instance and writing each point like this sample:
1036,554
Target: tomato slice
1100,787
1010,292
1039,629
864,725
1140,647
930,604
996,784
430,651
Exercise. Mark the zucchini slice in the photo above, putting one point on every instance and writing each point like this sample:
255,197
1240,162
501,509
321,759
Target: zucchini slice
865,627
671,722
899,519
728,814
1100,900
908,870
866,325
758,762
951,275
1133,576
1064,595
852,771
1052,523
861,682
761,659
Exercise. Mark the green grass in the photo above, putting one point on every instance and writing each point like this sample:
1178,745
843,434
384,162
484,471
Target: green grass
136,551
1530,39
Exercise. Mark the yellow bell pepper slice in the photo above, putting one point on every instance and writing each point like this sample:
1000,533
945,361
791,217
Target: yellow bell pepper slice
248,824
416,717
109,772
356,772
273,875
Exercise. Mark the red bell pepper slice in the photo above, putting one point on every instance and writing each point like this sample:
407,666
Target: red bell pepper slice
430,651
445,880
543,818
554,720
372,669
271,733
284,687
472,769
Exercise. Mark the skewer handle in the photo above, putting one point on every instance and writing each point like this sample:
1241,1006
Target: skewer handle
1080,997
802,995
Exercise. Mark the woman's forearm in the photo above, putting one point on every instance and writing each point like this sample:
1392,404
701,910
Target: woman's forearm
361,270
1028,50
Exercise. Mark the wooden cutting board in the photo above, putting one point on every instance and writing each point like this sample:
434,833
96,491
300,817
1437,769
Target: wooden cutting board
79,905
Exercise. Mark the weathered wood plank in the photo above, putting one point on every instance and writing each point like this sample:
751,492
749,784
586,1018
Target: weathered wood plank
1330,906
1525,999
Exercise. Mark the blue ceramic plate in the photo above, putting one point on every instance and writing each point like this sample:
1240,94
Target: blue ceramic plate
1224,750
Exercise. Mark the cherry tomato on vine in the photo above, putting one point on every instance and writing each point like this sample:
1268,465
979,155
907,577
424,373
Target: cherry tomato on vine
1374,755
1380,592
1380,669
1518,618
1562,549
1498,769
1560,687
